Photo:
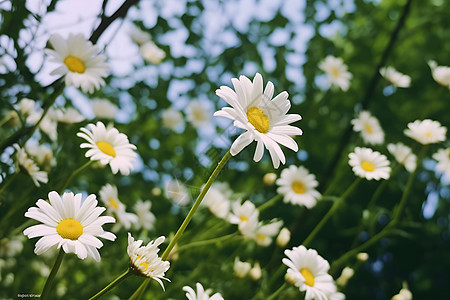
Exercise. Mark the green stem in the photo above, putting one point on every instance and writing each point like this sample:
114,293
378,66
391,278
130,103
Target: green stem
112,284
277,292
51,276
330,212
269,203
8,182
207,242
74,174
186,221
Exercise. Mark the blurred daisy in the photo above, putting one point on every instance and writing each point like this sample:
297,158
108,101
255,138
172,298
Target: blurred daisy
29,166
264,119
173,119
241,268
426,131
109,147
298,186
198,113
70,115
146,218
217,199
309,272
441,74
403,155
26,107
337,72
42,154
177,192
369,127
152,53
369,164
264,233
243,213
145,260
49,124
138,35
71,223
201,293
395,78
442,156
79,61
104,109
110,197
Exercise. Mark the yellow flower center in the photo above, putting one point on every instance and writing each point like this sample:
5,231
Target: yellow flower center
309,277
113,203
334,72
69,229
258,119
74,64
368,128
145,265
367,166
106,148
428,134
298,187
261,237
244,219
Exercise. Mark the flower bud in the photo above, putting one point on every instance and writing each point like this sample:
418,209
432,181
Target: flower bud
269,179
346,274
255,272
283,237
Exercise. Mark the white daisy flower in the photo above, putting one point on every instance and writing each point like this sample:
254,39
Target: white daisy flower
403,155
152,53
264,233
110,197
309,272
242,214
298,186
369,164
241,268
27,164
337,72
71,223
42,154
79,61
217,199
104,109
442,156
441,74
109,147
145,260
265,120
198,113
369,127
146,218
201,293
426,131
139,36
173,119
177,192
395,78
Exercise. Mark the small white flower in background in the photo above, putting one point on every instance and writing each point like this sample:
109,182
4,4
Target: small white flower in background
71,223
217,199
42,154
104,109
442,156
337,72
110,197
138,35
27,164
79,62
404,294
264,233
426,131
156,191
26,107
362,256
269,178
298,186
173,119
255,272
70,115
145,260
346,274
369,127
309,272
403,155
441,74
283,237
49,123
199,113
109,146
395,78
241,268
152,53
369,164
146,218
243,214
177,192
10,247
201,293
264,119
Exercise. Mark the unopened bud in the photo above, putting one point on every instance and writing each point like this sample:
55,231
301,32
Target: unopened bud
283,237
290,278
346,274
156,192
255,272
269,179
362,256
241,268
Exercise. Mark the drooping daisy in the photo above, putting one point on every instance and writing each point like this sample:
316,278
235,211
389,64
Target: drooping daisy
369,127
265,120
242,214
109,147
298,186
173,119
198,113
264,233
104,109
177,192
110,196
426,131
337,72
201,293
79,62
395,77
152,53
217,199
69,222
403,155
241,268
441,74
146,218
309,272
369,164
145,260
443,161
29,166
